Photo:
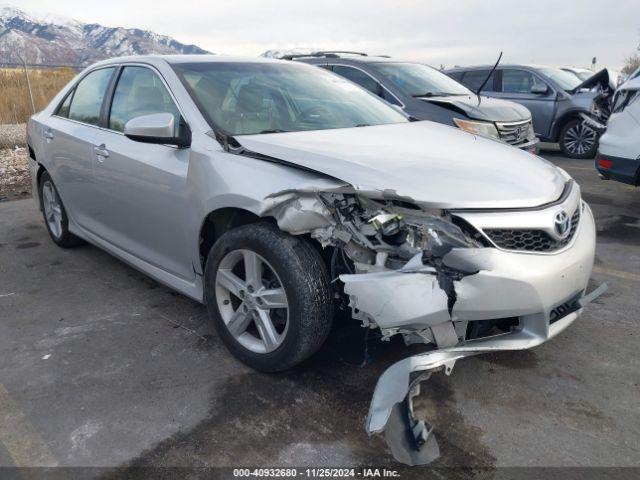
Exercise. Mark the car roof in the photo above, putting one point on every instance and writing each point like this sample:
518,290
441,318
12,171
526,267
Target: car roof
531,66
177,59
354,58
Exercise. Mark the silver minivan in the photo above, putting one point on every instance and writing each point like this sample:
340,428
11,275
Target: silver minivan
558,101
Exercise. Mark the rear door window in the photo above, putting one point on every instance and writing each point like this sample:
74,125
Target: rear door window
139,92
88,97
518,81
474,78
63,109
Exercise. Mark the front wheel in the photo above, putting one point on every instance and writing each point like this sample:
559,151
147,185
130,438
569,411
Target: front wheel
268,295
578,140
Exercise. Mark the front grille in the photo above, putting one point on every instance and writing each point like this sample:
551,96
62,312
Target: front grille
531,240
515,133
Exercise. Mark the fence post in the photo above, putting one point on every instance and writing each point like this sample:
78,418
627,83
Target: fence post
26,74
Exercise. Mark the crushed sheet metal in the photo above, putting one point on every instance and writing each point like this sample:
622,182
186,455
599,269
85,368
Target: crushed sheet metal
395,299
297,213
444,334
394,385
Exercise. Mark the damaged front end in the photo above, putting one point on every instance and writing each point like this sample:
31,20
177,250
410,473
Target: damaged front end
600,110
388,246
434,277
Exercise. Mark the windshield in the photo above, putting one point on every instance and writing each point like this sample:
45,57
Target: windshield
417,80
565,80
251,98
584,74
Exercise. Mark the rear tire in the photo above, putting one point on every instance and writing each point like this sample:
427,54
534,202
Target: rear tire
55,215
578,140
298,312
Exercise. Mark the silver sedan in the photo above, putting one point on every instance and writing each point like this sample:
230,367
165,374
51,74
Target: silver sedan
272,191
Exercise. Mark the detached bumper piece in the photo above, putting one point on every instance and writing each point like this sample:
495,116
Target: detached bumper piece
412,441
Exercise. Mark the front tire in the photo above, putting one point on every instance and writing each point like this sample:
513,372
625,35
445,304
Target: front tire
578,140
268,295
55,215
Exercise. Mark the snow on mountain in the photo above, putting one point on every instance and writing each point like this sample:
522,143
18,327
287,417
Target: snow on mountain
52,39
291,51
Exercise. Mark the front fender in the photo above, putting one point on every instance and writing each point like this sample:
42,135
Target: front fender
218,179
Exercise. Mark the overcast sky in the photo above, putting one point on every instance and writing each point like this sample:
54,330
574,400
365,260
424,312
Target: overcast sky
438,32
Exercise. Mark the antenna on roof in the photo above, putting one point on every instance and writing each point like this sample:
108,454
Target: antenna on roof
487,79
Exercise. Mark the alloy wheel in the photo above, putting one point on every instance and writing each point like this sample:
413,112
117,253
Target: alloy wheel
52,208
252,301
579,139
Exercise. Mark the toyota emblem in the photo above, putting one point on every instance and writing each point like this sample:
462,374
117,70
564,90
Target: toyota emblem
562,224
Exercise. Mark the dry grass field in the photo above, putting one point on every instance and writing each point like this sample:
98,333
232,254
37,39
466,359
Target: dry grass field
15,108
15,105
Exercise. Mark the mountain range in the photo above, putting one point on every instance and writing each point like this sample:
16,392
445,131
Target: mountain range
53,40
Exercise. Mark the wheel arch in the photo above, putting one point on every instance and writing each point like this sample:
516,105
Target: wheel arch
35,185
41,170
558,125
221,220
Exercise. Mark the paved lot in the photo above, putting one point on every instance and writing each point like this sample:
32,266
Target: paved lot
101,366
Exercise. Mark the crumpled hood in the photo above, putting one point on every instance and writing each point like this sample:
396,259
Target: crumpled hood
489,109
601,78
432,164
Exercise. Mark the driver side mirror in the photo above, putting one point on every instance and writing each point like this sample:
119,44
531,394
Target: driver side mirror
540,89
158,128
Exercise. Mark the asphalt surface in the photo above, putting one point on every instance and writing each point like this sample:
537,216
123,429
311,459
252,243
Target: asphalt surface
101,366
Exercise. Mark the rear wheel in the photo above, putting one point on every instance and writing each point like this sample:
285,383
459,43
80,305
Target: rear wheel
55,215
268,295
578,140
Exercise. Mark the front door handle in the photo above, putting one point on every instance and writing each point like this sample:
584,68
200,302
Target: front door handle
101,152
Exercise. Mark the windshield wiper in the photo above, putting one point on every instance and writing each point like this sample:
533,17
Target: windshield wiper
275,130
439,94
363,125
430,94
226,140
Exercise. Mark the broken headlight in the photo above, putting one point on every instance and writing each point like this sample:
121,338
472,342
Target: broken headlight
390,232
483,129
387,223
436,236
411,231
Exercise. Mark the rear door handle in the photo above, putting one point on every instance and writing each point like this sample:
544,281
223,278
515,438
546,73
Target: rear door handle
101,152
48,134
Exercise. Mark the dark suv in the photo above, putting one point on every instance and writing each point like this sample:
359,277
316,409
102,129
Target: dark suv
558,100
425,93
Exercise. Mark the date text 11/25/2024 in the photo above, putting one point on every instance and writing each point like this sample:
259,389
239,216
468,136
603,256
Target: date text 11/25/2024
316,472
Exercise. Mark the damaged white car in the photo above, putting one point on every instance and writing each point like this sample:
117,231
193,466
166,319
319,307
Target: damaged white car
272,191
